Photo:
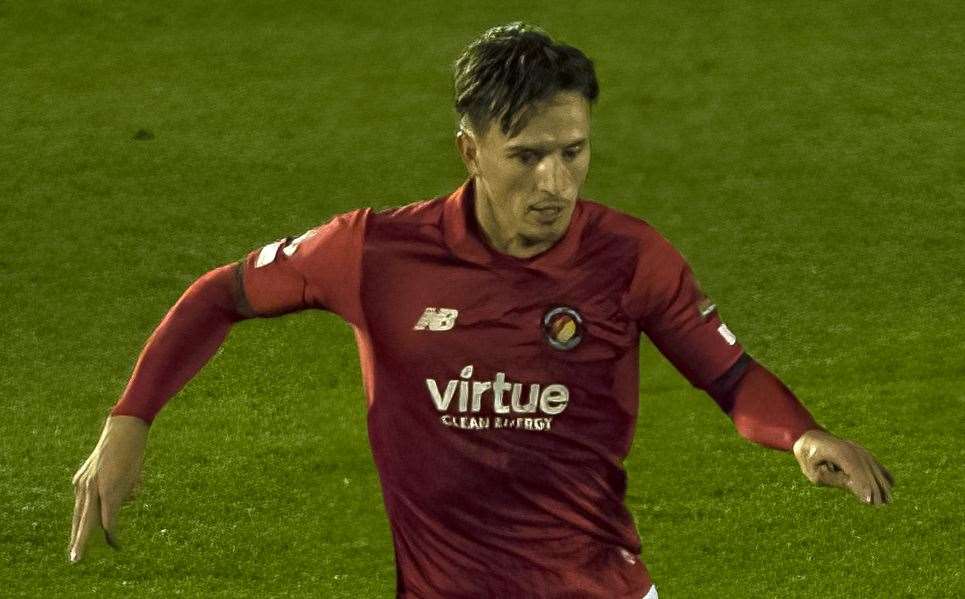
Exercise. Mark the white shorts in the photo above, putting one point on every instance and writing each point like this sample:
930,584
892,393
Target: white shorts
652,594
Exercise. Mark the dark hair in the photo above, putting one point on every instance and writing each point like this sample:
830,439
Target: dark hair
511,67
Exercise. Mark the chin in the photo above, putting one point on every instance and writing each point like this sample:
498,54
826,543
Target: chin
549,233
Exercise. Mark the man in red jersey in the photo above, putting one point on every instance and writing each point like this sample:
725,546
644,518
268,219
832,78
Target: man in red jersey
498,329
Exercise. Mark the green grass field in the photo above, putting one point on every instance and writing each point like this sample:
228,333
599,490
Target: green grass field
808,161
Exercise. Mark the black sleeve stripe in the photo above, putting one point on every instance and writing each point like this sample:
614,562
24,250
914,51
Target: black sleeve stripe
721,388
242,306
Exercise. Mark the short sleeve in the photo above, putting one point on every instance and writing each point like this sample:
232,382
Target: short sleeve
668,305
319,269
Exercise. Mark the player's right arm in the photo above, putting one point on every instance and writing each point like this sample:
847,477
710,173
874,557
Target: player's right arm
191,332
320,269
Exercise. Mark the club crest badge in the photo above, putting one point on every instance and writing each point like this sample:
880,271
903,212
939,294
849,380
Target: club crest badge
563,327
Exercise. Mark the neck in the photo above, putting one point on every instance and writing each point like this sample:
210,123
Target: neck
502,238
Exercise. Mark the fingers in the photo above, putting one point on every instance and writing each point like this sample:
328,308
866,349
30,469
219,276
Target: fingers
873,487
879,480
80,471
873,493
865,486
108,515
831,475
883,478
89,520
851,469
888,476
78,510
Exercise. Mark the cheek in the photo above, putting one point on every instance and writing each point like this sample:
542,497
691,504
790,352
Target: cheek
580,168
514,184
503,175
508,185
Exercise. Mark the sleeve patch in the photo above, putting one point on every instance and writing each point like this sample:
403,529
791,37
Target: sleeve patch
726,334
293,246
268,253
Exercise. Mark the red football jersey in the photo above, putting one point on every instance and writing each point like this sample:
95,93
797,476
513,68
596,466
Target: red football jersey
502,392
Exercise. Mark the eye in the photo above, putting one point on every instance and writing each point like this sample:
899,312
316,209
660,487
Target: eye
572,153
527,157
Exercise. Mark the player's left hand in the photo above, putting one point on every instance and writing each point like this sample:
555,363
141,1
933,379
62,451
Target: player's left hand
828,460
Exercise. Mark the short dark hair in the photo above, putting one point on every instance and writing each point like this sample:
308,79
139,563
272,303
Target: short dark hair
509,68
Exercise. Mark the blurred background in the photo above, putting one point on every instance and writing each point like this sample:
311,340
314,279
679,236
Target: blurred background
807,158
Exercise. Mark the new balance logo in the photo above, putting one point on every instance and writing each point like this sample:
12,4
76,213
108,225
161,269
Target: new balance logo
437,319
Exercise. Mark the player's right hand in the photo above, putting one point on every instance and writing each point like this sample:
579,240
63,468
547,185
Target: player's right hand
105,480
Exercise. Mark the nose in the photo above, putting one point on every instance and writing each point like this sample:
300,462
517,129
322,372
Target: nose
553,177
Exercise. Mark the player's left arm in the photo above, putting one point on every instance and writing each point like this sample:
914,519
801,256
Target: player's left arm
765,411
687,329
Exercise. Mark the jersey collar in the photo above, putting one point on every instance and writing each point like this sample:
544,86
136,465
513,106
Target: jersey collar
467,241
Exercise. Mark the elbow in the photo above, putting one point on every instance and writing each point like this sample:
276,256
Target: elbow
216,293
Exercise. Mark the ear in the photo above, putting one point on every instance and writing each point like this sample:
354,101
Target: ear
468,151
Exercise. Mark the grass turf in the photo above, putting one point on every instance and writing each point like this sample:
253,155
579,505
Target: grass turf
806,159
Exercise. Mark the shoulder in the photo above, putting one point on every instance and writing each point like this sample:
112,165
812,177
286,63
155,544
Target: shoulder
414,213
631,231
408,218
362,221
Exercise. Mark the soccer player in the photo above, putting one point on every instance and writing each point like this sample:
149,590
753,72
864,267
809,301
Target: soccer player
498,329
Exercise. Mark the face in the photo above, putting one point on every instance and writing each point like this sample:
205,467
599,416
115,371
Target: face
527,185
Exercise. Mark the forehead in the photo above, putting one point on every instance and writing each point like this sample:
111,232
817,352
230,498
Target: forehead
561,120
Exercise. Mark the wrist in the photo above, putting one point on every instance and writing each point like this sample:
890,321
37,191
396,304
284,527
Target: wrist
803,441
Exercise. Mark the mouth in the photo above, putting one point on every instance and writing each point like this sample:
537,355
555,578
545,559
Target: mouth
548,212
548,205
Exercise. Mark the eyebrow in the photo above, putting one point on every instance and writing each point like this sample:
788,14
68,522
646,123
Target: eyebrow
540,147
